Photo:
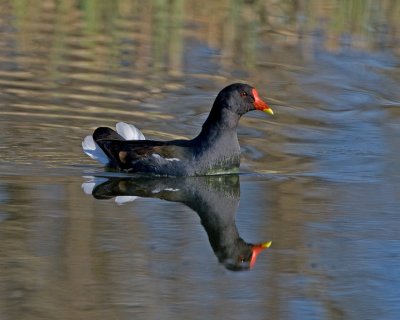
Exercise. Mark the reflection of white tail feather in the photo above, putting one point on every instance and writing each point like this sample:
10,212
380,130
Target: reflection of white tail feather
124,199
127,131
93,182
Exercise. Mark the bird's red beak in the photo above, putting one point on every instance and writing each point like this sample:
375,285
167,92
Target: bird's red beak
256,251
261,105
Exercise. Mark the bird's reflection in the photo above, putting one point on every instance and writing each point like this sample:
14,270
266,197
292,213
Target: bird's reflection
214,198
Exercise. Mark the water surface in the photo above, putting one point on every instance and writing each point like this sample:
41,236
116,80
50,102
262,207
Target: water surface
320,179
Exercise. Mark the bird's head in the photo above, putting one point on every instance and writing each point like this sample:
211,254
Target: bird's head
241,98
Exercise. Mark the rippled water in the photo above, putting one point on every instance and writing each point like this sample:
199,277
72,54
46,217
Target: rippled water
320,179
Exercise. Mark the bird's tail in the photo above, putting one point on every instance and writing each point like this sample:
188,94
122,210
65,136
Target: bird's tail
123,131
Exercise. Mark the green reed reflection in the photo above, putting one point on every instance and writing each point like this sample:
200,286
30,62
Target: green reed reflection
132,31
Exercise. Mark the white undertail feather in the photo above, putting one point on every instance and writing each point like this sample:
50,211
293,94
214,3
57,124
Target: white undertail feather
127,131
91,148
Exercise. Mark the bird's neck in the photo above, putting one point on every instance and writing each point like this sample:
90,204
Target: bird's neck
220,122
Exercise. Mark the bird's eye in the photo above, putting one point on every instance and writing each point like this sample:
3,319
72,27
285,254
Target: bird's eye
243,94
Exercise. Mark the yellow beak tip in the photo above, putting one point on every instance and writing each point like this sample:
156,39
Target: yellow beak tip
266,244
269,110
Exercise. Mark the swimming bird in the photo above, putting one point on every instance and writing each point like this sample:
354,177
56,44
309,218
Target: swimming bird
215,150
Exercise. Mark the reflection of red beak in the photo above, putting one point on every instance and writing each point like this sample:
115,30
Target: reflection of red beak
256,251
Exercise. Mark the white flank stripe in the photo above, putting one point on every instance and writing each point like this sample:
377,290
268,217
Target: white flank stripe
157,156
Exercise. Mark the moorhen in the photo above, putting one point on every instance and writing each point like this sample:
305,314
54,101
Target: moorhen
215,150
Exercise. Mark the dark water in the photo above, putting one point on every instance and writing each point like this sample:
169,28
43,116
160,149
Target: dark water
321,179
